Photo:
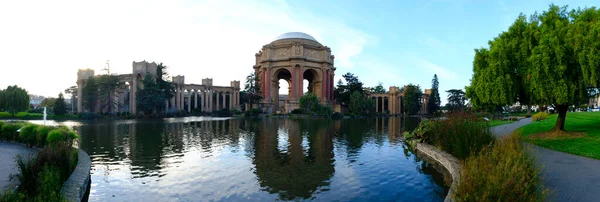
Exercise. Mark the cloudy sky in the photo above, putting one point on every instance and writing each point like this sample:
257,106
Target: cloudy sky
44,43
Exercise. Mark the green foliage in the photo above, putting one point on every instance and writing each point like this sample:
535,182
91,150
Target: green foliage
252,113
28,134
503,172
60,106
460,134
361,105
9,131
72,91
378,89
150,99
100,90
48,102
88,116
434,99
456,100
252,91
412,99
14,99
343,92
41,133
336,115
55,136
539,116
309,102
550,58
297,111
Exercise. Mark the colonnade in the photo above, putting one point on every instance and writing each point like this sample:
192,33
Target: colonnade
207,100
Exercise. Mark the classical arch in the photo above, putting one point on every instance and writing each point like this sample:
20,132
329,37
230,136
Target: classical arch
294,57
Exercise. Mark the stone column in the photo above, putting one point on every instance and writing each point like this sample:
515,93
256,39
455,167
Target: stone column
195,99
173,100
230,100
269,83
323,96
132,97
182,99
377,104
79,96
189,96
209,95
223,96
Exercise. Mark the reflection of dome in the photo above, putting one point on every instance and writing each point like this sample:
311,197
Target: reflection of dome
295,35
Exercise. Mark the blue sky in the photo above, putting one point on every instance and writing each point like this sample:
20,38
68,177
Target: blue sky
393,42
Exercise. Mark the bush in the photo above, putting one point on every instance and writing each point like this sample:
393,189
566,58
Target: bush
539,116
27,134
503,172
55,136
336,115
252,112
88,116
297,111
460,134
41,133
9,131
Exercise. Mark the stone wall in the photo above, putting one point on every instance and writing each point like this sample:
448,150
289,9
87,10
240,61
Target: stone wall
75,188
449,162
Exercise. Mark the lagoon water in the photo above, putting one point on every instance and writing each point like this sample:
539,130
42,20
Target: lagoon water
209,159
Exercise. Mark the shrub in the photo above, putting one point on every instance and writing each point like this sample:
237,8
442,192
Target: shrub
503,172
539,116
336,115
27,134
324,110
88,116
41,133
55,136
297,111
252,112
460,134
9,131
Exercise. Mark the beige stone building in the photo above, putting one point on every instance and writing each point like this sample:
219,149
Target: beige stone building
294,57
206,97
391,102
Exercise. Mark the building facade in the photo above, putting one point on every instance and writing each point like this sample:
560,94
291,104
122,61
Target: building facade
391,102
294,57
188,97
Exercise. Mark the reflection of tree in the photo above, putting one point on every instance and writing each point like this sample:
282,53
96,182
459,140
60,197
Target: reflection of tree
146,147
291,173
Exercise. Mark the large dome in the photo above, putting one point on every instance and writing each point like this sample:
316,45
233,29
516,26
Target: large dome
295,35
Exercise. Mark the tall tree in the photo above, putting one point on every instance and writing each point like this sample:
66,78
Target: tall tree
14,99
90,94
167,88
151,98
412,99
379,88
550,59
60,106
456,100
434,99
72,91
342,92
108,85
252,89
48,102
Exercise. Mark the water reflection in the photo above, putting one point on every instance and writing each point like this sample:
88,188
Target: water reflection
256,160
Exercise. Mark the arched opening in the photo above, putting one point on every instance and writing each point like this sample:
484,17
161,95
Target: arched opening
283,79
313,83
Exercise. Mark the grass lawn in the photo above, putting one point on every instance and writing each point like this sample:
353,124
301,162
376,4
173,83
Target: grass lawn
582,137
496,122
7,115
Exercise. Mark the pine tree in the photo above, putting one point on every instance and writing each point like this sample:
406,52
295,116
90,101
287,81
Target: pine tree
60,106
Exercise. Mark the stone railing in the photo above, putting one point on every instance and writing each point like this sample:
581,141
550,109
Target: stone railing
449,162
75,188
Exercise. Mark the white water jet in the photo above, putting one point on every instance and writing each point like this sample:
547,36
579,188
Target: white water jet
44,115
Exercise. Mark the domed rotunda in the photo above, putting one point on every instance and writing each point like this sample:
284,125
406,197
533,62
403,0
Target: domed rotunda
294,57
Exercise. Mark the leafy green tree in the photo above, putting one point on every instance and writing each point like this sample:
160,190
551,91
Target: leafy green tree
14,99
48,102
342,92
434,99
60,106
107,86
166,87
549,59
379,88
309,102
361,105
412,99
456,100
90,94
72,91
252,91
151,98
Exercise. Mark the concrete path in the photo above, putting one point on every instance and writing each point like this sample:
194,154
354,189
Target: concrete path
8,166
569,177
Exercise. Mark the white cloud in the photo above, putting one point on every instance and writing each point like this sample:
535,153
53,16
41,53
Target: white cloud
44,43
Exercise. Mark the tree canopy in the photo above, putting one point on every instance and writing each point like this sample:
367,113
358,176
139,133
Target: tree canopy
434,99
251,92
412,99
60,106
378,89
456,100
14,99
550,58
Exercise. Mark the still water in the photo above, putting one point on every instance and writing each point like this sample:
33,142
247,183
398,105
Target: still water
207,159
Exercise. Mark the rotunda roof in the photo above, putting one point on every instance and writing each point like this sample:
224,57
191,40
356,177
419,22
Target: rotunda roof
295,35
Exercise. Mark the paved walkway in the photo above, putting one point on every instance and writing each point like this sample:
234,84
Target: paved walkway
569,177
8,151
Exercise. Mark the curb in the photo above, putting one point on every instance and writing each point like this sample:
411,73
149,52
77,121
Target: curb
75,188
449,162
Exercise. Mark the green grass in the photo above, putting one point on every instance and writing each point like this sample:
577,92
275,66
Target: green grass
496,122
18,115
583,122
36,116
